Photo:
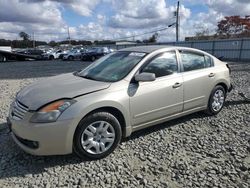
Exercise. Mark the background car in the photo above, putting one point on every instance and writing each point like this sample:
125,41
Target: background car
74,54
52,54
94,53
30,51
63,53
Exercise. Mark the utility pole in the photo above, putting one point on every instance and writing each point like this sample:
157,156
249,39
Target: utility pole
34,42
177,21
68,35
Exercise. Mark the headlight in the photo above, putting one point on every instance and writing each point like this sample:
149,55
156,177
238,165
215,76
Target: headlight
51,112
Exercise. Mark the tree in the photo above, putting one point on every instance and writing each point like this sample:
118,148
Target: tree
202,32
24,35
52,43
232,26
152,39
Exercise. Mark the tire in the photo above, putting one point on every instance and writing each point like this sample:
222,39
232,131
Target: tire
98,130
93,58
51,57
2,58
216,100
71,58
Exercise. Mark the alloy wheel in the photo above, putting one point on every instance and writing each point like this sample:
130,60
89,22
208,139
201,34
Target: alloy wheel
218,100
98,137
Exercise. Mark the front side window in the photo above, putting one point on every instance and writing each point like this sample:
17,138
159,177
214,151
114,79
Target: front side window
193,61
163,65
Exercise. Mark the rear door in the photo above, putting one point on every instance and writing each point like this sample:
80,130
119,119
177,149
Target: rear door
198,78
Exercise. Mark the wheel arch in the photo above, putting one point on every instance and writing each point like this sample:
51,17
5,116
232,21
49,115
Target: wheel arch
115,112
223,85
208,110
220,83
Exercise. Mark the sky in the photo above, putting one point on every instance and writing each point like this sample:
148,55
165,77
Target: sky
112,19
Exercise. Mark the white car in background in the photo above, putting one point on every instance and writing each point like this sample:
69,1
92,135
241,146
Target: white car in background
54,54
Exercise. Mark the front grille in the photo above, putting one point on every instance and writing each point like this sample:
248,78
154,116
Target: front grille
19,110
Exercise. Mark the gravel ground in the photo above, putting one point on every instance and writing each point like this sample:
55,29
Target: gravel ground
193,151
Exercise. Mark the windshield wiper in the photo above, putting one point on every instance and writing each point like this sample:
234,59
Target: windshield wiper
87,77
76,73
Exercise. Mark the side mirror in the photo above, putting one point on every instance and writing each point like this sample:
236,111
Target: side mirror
145,77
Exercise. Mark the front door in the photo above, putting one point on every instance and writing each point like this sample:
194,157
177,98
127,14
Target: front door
160,98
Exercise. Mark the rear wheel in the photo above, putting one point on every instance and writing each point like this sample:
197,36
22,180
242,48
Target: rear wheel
216,100
97,135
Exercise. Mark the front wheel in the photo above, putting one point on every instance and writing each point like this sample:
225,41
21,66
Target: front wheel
216,100
97,135
71,58
2,58
51,57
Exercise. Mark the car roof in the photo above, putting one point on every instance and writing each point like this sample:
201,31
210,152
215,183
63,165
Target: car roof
146,49
152,48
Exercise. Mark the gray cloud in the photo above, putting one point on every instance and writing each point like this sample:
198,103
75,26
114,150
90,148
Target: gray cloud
15,11
141,14
82,7
229,8
39,1
44,17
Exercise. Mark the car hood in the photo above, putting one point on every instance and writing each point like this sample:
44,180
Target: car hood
68,85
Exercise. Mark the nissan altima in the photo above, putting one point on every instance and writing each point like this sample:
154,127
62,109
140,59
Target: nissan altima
89,111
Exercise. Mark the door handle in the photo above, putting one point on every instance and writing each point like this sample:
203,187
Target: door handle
211,75
177,84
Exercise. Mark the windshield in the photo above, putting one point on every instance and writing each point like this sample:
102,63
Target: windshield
93,50
73,51
112,67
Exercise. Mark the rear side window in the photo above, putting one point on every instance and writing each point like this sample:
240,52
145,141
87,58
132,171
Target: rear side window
208,61
162,65
193,61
